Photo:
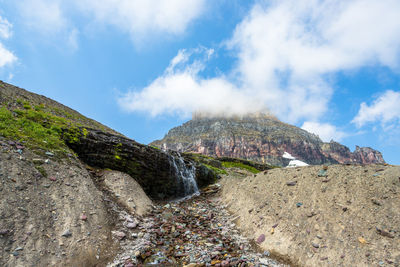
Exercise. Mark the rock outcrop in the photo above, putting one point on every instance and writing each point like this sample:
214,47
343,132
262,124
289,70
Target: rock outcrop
260,138
152,168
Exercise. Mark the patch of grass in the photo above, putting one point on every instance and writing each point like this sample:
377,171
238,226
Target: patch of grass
229,164
215,169
41,170
27,105
199,157
155,147
36,128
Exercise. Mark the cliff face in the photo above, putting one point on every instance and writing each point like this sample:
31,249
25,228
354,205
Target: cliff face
155,170
260,138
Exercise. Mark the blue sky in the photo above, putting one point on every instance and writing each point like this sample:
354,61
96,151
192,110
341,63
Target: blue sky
143,66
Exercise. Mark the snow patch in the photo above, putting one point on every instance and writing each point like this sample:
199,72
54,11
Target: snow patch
286,155
294,162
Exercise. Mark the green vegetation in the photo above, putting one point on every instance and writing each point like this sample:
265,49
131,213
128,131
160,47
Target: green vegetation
230,164
155,147
199,157
36,128
216,170
41,170
117,151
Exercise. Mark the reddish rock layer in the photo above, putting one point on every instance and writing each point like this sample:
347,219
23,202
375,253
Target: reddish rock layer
260,138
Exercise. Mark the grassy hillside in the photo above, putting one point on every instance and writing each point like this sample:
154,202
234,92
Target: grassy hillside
37,122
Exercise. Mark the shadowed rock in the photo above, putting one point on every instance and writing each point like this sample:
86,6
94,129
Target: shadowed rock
150,167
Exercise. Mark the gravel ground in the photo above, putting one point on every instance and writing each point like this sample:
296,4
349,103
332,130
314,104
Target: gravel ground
194,232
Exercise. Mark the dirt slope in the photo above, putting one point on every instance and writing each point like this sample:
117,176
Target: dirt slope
349,216
53,213
38,207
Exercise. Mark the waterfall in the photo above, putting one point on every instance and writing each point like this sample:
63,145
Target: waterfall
185,174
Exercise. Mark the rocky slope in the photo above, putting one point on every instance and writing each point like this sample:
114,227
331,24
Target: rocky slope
157,172
260,138
338,215
57,192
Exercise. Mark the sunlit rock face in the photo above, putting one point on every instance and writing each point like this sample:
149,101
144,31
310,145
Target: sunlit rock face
261,138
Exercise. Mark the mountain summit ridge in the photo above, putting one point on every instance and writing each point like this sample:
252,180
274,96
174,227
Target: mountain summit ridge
261,138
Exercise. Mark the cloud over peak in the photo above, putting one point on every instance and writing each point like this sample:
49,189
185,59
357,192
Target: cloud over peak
287,55
180,90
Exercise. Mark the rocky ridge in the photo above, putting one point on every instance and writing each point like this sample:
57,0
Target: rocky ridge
260,138
155,170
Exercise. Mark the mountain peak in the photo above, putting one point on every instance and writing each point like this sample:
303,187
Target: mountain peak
259,137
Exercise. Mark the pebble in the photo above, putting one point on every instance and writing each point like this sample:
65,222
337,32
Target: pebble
4,231
261,239
315,245
131,225
119,235
67,233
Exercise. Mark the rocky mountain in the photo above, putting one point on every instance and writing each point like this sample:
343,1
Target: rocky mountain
66,181
260,138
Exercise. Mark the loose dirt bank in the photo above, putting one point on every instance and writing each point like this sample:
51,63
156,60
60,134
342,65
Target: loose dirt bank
321,216
53,212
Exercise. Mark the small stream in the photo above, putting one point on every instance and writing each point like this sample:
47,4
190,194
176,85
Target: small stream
197,231
185,174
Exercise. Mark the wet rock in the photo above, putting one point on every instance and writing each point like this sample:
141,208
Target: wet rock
153,169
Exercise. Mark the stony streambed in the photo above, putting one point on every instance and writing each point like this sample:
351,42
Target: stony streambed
194,232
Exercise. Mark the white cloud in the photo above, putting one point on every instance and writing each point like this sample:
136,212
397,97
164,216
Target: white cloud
325,131
143,17
45,16
73,39
181,91
384,109
5,28
285,52
286,46
140,18
6,56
